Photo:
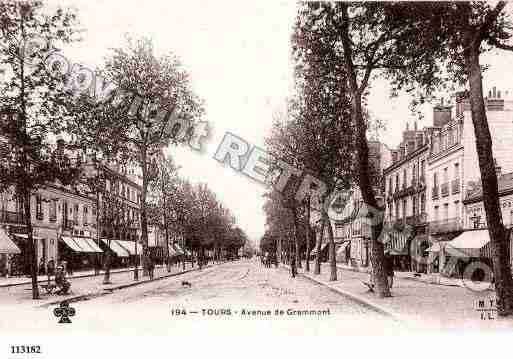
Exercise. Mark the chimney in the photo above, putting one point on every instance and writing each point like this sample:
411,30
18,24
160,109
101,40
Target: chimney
441,115
498,169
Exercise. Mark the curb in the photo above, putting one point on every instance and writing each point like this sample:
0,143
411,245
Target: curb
363,301
105,291
72,277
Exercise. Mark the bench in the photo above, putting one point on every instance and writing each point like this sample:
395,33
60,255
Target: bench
370,286
49,288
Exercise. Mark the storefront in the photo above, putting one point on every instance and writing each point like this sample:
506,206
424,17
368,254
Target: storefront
8,249
79,253
119,256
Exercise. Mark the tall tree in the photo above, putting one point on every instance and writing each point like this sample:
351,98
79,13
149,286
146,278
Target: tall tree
34,100
160,110
368,46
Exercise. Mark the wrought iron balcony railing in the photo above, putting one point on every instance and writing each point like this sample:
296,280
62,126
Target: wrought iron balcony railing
446,225
445,189
12,217
435,192
455,186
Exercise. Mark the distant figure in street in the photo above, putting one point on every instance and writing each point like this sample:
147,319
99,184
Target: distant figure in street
389,269
61,282
42,267
50,267
293,267
151,267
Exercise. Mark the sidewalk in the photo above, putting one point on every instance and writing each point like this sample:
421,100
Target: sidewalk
417,303
434,278
22,280
84,285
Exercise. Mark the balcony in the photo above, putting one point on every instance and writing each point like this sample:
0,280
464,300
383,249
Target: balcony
12,217
455,186
405,191
446,226
445,189
434,192
69,224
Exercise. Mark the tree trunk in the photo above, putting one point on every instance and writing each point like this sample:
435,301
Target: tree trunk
144,218
498,237
106,277
296,237
317,269
307,265
332,254
32,253
364,179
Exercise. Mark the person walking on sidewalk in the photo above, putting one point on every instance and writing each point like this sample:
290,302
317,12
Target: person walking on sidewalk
389,269
293,267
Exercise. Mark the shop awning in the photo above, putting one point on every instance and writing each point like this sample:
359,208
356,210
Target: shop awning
25,236
87,245
130,247
324,245
434,248
7,246
178,250
343,247
468,244
172,251
74,246
116,247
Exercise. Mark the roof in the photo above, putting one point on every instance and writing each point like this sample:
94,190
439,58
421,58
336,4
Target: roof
505,184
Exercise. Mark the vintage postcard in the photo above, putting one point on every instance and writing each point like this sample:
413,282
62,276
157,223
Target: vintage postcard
200,168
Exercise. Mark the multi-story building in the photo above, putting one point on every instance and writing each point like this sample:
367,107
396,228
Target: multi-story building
405,194
453,166
351,231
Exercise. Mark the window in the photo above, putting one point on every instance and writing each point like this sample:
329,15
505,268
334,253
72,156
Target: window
456,170
414,174
457,209
53,210
75,214
39,207
107,185
476,221
397,211
390,189
423,169
85,214
423,203
414,204
405,208
404,177
446,211
437,214
397,182
446,175
435,179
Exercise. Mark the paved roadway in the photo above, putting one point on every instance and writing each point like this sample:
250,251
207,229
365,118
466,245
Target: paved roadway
214,304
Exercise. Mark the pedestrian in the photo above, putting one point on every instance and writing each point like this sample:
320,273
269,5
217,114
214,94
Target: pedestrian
50,267
151,267
42,267
389,269
293,267
61,282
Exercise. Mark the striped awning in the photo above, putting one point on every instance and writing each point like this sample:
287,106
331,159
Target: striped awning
468,244
130,247
343,247
74,246
116,247
7,246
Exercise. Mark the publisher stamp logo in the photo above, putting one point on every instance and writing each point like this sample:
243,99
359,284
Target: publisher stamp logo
64,312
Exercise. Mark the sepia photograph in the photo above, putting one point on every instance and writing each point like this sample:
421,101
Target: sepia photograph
202,169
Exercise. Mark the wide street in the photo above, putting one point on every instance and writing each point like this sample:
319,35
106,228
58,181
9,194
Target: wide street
221,299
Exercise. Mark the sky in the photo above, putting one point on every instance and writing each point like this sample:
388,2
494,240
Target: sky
237,53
